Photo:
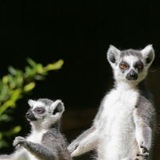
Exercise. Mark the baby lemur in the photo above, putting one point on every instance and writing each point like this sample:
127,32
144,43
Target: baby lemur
45,142
124,125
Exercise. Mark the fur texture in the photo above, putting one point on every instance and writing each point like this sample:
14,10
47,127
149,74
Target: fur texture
45,142
124,125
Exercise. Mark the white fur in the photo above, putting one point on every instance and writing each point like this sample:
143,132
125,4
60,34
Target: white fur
35,104
39,128
116,125
115,134
87,144
45,123
148,51
35,137
113,51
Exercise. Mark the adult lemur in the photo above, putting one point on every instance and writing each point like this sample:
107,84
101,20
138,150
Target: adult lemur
45,141
123,126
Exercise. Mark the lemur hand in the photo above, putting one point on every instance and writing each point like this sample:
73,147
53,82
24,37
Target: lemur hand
18,141
144,153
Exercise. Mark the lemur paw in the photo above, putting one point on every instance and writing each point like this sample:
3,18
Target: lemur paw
71,148
19,141
75,152
144,153
78,150
144,149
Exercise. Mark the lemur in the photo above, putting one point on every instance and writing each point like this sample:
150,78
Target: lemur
123,128
45,142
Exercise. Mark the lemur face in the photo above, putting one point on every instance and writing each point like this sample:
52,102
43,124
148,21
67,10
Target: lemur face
37,111
44,111
130,65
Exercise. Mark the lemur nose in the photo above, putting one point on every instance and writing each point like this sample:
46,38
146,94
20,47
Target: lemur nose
132,75
30,116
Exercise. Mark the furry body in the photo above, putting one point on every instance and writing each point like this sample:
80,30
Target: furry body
45,142
118,135
123,126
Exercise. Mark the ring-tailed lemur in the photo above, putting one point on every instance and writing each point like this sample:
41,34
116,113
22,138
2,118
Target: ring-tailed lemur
45,142
123,126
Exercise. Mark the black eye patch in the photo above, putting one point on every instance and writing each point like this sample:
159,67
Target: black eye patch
139,65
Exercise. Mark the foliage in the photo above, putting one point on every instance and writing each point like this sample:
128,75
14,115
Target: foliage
14,86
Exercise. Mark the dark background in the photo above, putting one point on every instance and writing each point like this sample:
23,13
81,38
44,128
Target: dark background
79,32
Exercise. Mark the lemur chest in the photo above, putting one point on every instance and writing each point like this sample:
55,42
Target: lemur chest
118,109
36,137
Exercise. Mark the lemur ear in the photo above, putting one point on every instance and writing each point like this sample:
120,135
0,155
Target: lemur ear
57,107
148,54
113,54
31,102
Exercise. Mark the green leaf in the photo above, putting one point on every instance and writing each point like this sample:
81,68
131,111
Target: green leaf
4,93
5,117
15,85
5,79
12,83
31,62
54,66
29,87
16,129
12,70
13,131
15,95
3,143
39,77
19,81
39,68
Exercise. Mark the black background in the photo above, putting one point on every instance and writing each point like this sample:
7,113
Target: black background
79,32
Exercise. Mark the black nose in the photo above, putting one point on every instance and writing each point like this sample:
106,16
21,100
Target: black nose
132,75
30,116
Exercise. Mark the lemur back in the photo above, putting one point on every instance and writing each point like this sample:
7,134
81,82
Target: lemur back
45,142
123,127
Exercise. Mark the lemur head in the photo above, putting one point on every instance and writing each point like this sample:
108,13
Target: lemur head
130,65
44,113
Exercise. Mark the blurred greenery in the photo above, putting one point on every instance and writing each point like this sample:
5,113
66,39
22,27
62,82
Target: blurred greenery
14,86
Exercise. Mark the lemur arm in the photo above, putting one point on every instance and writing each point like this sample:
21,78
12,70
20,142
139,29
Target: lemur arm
144,120
84,143
5,157
38,150
88,140
19,154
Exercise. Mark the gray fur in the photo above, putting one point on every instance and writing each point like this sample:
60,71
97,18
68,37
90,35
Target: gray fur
129,52
142,116
51,145
46,101
145,119
75,144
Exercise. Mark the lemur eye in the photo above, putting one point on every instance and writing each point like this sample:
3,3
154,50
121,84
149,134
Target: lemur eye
139,65
39,110
123,66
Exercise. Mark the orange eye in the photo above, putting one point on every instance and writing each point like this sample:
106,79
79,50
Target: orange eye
139,66
123,66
